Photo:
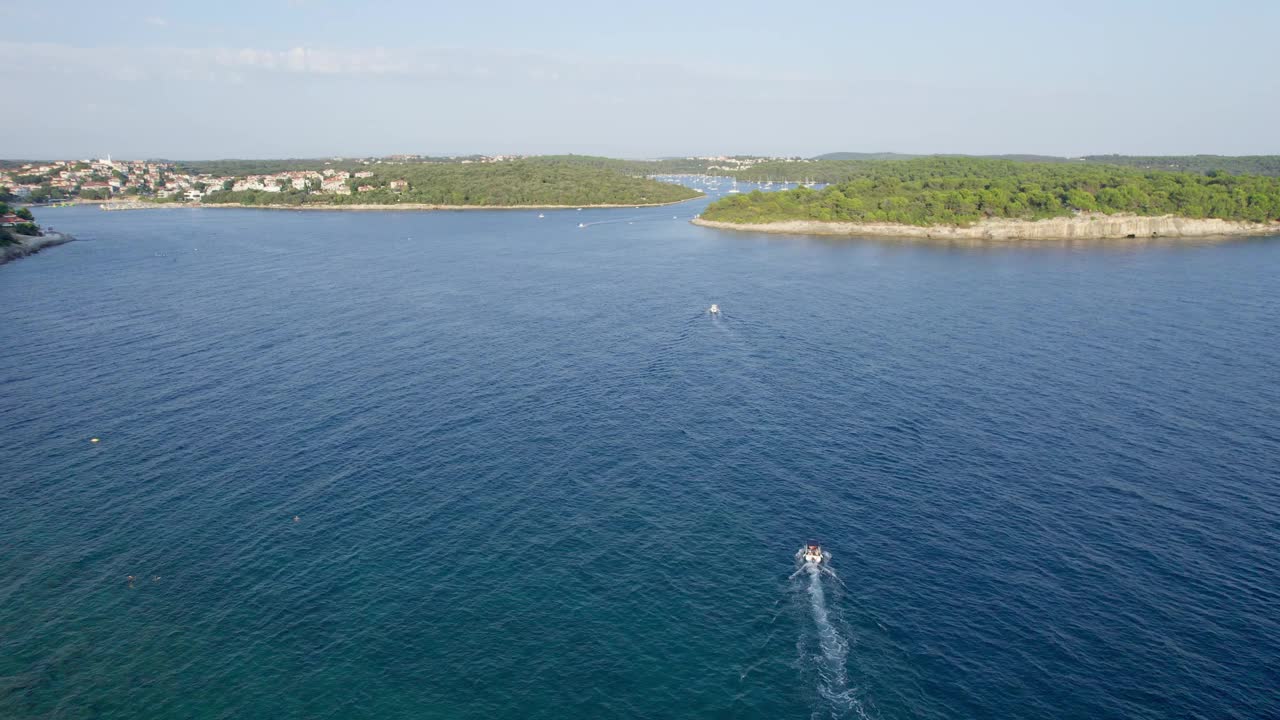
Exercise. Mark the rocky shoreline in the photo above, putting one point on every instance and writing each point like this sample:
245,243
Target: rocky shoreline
30,245
1088,226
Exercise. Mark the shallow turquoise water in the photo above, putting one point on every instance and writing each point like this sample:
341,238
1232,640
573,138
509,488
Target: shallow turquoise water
534,479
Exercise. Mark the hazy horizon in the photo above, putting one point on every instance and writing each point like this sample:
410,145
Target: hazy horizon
302,79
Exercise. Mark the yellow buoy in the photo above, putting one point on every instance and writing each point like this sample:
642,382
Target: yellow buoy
93,440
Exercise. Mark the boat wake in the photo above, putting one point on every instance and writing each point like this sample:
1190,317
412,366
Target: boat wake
824,650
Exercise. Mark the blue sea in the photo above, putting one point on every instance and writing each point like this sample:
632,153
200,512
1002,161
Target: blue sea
490,465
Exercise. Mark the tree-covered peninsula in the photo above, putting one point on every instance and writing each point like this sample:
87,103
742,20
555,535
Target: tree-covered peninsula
838,167
960,191
20,236
528,182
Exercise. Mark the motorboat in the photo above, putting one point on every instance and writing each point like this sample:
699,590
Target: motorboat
812,553
582,225
540,215
714,309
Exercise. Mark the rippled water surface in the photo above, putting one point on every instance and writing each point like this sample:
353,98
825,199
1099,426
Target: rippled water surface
534,479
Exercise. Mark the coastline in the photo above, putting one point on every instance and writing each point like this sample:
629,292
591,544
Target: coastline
365,207
30,245
1091,226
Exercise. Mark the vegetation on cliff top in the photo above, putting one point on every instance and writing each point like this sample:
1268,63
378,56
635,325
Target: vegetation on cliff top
535,181
959,191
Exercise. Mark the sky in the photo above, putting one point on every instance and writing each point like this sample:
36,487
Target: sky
309,78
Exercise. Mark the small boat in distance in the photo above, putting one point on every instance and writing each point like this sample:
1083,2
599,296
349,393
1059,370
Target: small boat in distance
714,309
813,554
582,225
540,215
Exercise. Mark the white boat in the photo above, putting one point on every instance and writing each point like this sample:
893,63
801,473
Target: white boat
813,554
582,225
540,215
714,309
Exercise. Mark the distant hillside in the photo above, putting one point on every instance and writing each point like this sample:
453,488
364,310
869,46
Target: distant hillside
912,156
1016,157
1202,164
866,156
533,181
822,171
665,166
259,167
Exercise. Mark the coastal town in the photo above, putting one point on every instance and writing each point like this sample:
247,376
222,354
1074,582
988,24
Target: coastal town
394,181
108,180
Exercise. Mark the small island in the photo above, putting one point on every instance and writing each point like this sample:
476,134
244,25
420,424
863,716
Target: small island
972,198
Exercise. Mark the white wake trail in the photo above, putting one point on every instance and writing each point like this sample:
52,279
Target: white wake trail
835,651
833,648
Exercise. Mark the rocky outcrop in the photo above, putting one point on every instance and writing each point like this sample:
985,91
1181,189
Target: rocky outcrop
1089,226
29,245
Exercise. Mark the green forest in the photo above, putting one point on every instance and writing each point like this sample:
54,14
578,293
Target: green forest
258,167
536,181
241,168
837,167
1205,164
959,191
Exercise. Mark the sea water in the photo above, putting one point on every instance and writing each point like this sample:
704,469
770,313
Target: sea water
482,464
